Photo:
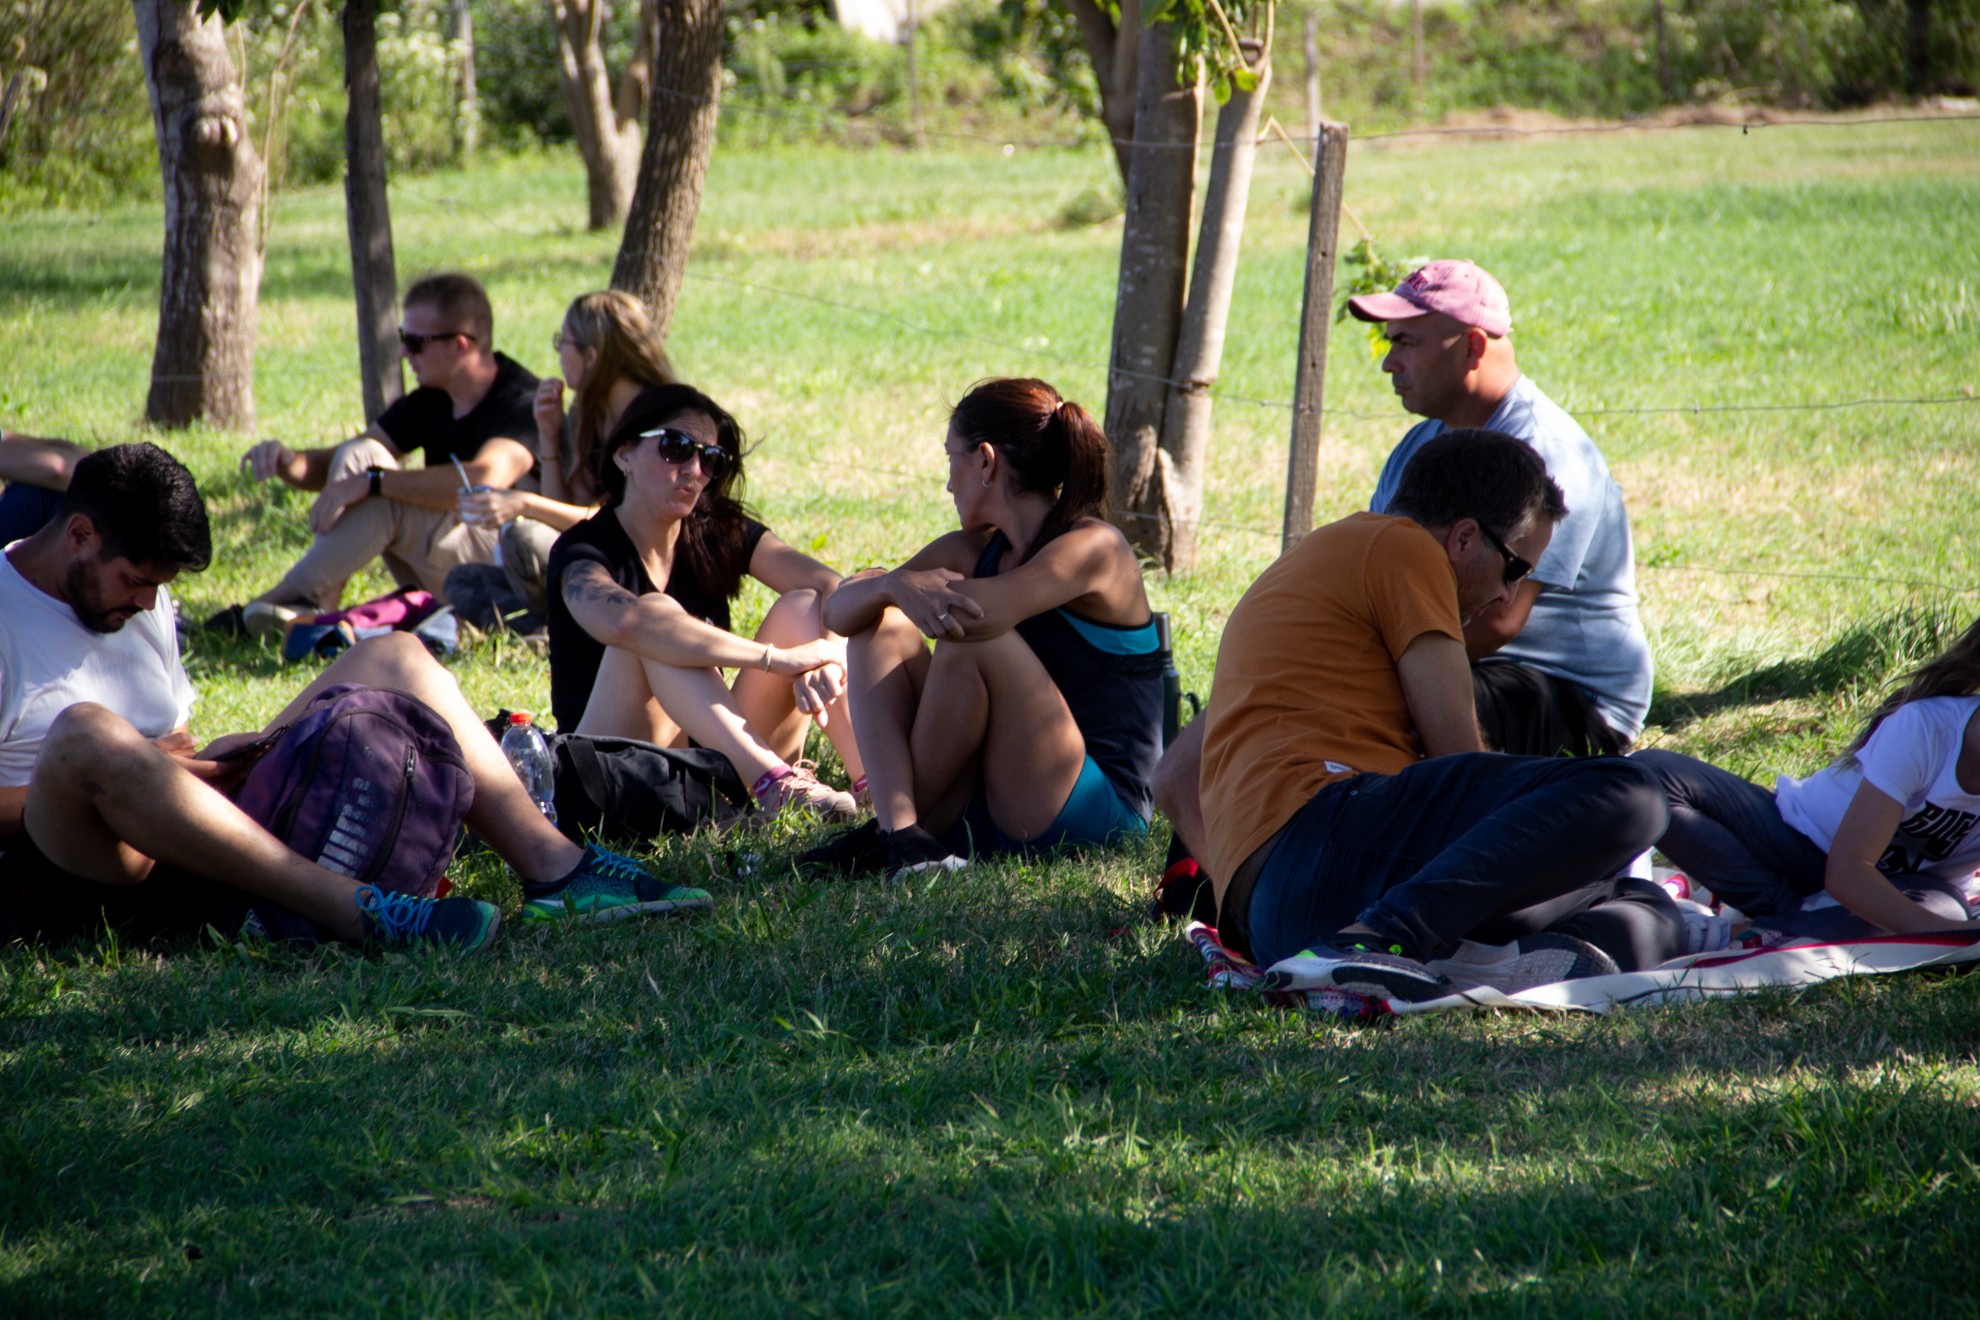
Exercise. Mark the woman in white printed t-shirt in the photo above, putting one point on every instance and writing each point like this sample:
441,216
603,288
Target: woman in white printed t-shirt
1890,831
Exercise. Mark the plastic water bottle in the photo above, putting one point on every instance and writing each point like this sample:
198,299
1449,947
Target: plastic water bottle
530,755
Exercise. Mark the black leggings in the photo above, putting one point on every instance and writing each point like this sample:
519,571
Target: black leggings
1728,832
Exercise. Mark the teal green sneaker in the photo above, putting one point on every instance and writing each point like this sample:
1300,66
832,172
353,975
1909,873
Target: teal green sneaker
466,925
607,887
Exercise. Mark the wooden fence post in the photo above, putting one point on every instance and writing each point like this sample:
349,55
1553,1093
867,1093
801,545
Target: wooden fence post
1316,316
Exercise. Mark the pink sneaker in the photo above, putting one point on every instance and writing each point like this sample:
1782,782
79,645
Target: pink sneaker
798,787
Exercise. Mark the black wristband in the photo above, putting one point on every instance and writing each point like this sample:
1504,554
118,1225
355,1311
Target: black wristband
377,475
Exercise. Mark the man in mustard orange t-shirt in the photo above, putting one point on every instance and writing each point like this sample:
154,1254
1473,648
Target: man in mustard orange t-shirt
1363,831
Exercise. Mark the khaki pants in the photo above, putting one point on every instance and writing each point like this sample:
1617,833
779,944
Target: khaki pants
526,561
419,545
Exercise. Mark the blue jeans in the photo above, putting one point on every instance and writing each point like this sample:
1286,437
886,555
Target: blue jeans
1727,832
1477,846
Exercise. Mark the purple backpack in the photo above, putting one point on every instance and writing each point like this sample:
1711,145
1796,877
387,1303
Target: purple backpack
367,782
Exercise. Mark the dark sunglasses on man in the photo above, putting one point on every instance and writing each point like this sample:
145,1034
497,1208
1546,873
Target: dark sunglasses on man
675,446
414,343
1516,568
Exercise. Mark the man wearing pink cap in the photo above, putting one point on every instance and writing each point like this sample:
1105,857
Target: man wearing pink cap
1559,666
1563,666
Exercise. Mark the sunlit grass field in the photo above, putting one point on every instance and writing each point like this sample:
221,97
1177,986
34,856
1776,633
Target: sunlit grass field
1006,1091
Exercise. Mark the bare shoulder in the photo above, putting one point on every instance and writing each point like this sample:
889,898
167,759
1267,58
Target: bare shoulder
1096,546
1101,534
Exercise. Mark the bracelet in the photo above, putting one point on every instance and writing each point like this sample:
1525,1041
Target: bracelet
377,475
766,657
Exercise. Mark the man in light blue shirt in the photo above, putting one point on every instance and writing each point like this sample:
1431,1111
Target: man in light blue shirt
1563,666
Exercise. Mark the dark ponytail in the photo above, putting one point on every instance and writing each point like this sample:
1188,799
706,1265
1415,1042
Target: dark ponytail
1052,445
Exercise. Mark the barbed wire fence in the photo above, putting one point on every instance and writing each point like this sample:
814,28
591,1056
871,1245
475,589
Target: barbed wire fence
1032,349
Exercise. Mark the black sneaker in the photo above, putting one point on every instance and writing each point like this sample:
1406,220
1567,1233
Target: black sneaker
860,850
229,622
1360,967
913,850
465,924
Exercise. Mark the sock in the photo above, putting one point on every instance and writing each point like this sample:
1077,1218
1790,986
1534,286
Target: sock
544,888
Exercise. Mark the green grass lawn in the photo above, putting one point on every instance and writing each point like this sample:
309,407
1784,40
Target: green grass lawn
1004,1091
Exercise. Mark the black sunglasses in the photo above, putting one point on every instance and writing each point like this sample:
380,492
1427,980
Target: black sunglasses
414,343
1516,568
678,447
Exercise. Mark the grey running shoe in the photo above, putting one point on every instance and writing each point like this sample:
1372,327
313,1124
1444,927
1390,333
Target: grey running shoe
1535,960
1359,968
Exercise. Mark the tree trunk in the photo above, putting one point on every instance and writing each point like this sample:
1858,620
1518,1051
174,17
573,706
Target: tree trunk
368,215
608,142
636,84
202,367
914,75
1663,54
9,102
680,136
1310,47
460,29
1416,45
1148,300
1177,490
1113,48
1919,76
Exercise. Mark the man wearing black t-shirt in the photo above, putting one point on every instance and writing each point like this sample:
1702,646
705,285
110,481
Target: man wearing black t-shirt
473,405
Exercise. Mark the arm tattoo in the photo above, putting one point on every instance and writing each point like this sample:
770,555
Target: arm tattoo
587,582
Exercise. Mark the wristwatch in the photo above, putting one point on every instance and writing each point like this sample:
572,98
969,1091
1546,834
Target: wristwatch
377,475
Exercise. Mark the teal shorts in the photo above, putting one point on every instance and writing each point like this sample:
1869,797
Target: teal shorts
1093,816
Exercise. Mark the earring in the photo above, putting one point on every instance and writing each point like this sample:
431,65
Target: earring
986,483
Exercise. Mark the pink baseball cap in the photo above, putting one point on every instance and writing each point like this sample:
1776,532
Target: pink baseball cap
1458,289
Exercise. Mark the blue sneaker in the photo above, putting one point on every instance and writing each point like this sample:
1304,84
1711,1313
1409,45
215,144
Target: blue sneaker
606,887
465,924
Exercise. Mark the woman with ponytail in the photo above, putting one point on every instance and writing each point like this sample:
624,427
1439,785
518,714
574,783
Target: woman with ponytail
1883,839
1036,720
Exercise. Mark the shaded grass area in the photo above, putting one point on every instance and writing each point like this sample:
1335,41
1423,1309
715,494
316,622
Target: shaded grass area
969,1096
1004,1092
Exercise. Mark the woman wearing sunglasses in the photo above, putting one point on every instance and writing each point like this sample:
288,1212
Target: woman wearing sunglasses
1036,721
608,352
639,612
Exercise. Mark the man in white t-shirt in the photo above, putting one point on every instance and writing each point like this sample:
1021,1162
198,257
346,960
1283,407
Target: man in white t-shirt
107,813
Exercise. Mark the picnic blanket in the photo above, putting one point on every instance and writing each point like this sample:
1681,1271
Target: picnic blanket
1759,962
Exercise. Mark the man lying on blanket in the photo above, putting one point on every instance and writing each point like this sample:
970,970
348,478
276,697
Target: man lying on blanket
1363,832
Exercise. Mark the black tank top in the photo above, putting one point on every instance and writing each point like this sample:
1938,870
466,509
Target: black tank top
1111,678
